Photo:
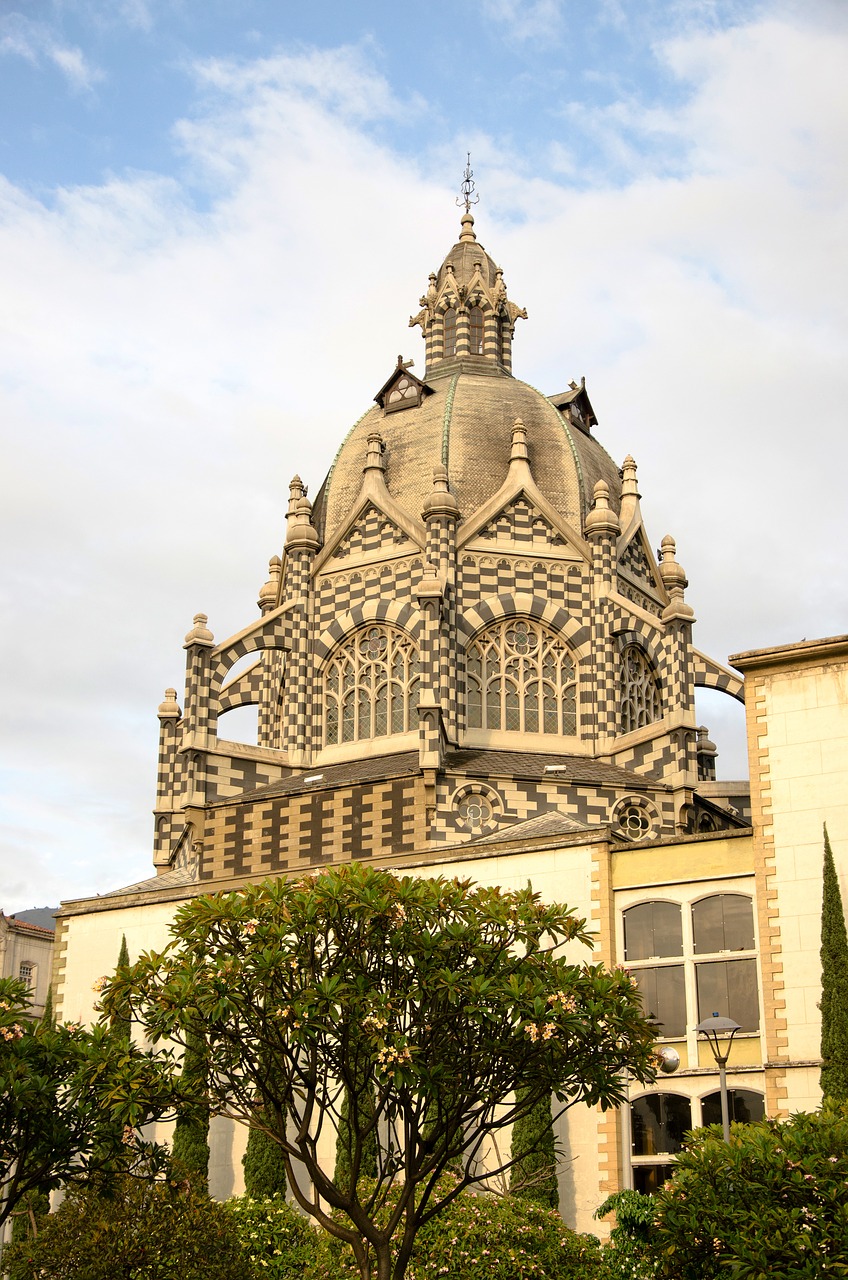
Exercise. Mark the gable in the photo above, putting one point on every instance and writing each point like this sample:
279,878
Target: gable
521,526
636,563
372,533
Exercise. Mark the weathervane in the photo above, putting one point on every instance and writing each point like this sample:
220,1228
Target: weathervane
467,196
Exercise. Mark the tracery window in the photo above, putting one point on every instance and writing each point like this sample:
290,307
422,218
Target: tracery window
641,702
371,686
521,678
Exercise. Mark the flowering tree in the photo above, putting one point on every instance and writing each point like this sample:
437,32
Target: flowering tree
441,1011
69,1099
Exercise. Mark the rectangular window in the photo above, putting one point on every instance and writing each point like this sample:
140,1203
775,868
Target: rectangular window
25,973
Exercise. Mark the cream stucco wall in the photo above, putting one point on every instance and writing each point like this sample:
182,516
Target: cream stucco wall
797,709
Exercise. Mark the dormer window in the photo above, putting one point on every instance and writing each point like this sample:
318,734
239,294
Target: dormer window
402,390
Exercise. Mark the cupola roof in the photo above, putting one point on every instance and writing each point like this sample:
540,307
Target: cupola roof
460,416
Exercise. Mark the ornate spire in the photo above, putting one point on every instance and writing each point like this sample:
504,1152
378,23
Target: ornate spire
467,195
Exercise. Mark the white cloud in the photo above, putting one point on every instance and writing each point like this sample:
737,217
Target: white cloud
38,42
164,369
526,19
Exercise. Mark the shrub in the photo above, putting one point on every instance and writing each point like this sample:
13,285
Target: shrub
486,1237
132,1229
773,1201
280,1243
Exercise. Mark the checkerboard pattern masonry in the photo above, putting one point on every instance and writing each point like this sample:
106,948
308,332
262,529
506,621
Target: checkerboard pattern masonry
359,656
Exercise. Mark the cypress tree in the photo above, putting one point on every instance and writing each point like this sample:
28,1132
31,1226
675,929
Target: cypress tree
344,1153
123,1026
534,1175
190,1146
47,1017
834,999
264,1166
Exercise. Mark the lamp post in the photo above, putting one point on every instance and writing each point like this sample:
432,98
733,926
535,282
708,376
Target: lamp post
711,1029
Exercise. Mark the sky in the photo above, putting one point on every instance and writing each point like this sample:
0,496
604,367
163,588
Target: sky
215,221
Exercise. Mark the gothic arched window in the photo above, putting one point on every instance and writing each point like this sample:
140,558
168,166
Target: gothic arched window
521,678
450,332
475,330
641,701
371,686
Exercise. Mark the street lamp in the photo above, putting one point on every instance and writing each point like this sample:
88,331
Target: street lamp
711,1029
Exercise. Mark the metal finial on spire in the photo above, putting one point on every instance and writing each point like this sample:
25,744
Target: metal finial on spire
467,195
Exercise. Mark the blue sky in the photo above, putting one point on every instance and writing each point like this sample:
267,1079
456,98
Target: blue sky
215,221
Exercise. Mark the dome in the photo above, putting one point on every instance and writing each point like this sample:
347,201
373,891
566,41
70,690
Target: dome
465,424
461,414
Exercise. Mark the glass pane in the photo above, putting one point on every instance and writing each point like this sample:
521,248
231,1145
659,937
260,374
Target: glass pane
745,1107
531,710
381,712
475,316
475,707
648,1178
397,708
450,332
723,922
729,988
653,929
363,718
332,721
659,1121
738,922
708,924
663,994
569,712
348,725
512,720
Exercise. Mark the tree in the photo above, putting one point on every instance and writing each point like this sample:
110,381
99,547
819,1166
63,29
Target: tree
834,999
69,1100
455,999
534,1175
190,1147
123,1026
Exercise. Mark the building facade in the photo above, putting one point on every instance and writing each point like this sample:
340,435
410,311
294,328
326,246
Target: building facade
26,953
468,660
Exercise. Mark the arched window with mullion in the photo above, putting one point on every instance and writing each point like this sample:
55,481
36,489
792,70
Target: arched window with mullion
370,686
515,670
